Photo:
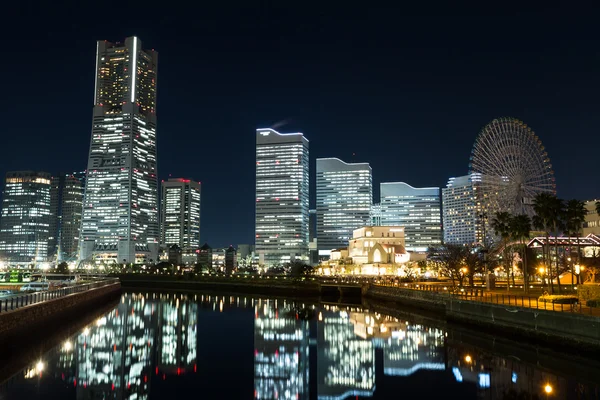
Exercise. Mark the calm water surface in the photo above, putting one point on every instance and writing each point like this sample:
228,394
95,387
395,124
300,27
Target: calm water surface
171,346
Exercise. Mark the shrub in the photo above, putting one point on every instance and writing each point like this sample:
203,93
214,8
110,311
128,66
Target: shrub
558,299
593,303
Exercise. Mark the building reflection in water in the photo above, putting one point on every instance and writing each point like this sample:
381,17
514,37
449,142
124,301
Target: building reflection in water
281,343
300,352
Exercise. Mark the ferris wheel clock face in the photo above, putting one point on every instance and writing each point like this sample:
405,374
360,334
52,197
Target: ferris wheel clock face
511,167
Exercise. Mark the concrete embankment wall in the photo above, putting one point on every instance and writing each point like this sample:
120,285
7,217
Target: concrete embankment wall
28,319
258,287
564,328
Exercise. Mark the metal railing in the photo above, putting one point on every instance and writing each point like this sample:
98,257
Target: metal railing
16,301
483,296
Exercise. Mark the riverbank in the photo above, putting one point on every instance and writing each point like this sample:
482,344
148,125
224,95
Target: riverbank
550,327
24,321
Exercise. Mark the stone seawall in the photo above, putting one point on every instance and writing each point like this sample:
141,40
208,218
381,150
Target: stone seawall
25,320
551,327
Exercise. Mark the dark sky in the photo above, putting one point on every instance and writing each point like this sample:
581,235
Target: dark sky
407,90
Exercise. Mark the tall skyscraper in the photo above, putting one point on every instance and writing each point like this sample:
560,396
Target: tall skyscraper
120,214
180,213
282,218
416,209
344,200
66,198
25,220
465,221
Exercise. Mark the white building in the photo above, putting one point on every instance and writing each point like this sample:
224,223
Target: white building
282,217
120,213
592,219
378,245
464,218
416,209
344,199
180,213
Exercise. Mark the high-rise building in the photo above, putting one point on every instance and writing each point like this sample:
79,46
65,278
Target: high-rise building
344,200
120,214
66,199
180,213
464,218
25,219
416,209
282,216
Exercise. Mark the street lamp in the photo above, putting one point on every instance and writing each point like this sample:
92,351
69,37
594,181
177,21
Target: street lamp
542,271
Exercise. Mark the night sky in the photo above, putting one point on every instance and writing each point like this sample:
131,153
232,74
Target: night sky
406,90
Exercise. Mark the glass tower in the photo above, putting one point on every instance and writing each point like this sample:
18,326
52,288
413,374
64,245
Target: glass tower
66,199
180,213
25,220
344,199
120,213
416,209
282,215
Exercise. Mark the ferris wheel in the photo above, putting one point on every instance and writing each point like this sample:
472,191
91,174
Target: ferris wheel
510,165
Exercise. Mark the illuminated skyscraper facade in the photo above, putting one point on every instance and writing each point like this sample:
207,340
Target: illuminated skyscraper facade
25,219
66,198
465,219
120,213
180,213
416,209
282,215
344,199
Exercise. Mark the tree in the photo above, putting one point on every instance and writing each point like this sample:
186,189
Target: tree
449,260
575,213
62,268
549,210
501,224
474,263
520,227
598,207
299,269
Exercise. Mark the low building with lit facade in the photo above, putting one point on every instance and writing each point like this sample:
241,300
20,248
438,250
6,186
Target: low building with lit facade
25,219
344,199
418,210
592,219
378,245
282,202
230,259
180,213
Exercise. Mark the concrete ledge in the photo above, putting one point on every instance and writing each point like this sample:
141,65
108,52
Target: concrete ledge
55,311
413,298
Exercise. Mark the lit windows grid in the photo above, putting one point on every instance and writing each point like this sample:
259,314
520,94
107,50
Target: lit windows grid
344,200
282,200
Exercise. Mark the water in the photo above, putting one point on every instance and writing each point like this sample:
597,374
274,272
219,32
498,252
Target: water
167,346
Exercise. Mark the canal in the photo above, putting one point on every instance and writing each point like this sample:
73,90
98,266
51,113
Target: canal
212,346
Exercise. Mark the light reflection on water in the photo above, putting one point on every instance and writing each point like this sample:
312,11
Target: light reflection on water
301,351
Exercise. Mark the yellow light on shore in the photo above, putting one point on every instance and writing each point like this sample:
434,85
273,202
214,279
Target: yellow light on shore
468,358
548,388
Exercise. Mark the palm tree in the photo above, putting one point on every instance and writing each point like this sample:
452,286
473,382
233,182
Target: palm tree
575,213
549,212
520,230
501,225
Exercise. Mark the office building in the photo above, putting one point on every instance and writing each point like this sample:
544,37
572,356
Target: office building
592,218
25,218
120,214
418,210
282,216
180,213
344,200
66,198
464,218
